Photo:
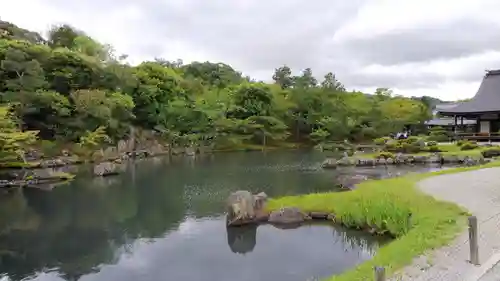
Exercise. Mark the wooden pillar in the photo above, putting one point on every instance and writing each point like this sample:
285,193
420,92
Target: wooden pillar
455,128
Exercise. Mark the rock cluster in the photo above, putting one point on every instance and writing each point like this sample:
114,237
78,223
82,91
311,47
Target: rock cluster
38,177
403,159
245,208
106,169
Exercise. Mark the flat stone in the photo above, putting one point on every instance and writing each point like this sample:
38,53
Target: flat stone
318,215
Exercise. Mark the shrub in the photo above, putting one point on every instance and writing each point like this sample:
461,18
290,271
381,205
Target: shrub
461,142
438,134
405,146
49,148
433,148
468,146
411,148
432,143
385,155
412,139
491,152
381,141
438,138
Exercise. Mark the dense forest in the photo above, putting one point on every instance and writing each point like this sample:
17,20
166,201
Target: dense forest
66,85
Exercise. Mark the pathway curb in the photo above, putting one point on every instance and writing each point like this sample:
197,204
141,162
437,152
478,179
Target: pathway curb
480,271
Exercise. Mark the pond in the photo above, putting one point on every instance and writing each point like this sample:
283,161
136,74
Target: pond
163,220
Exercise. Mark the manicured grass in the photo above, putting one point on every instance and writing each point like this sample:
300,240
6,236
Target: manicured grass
386,205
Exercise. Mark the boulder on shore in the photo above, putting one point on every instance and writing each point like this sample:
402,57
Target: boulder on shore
288,215
243,208
350,181
105,169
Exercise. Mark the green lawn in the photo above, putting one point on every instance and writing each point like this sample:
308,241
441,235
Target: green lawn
385,204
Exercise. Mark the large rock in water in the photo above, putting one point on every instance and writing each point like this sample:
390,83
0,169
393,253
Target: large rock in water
288,215
243,207
105,169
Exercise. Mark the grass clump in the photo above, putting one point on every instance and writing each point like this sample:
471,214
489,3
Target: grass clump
384,155
63,176
433,148
381,141
432,143
469,145
386,205
491,152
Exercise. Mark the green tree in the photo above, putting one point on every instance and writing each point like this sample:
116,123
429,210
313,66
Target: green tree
23,77
330,82
306,80
283,77
63,36
13,142
266,127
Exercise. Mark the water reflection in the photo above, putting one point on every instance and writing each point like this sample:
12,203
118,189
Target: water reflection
241,240
163,218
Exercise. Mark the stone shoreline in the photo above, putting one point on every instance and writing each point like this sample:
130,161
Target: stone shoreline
402,159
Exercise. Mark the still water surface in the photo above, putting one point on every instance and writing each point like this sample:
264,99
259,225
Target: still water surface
163,220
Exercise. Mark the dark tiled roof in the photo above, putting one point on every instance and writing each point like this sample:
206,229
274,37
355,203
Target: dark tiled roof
487,98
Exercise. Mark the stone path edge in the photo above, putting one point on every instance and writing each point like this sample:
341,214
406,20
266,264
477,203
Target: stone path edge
483,269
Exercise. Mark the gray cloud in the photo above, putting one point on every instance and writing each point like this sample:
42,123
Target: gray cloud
257,36
413,80
455,39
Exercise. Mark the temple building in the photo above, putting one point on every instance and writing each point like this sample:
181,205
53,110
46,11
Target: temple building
448,123
484,107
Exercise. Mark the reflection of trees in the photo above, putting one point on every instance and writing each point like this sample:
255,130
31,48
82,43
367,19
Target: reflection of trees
242,239
78,227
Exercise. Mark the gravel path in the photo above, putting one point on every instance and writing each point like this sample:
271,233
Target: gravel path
479,192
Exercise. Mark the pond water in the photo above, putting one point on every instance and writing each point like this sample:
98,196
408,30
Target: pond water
163,220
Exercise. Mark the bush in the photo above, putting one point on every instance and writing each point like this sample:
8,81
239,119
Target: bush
491,152
468,146
381,141
438,138
432,143
412,139
49,148
461,142
438,134
433,148
414,145
385,155
411,148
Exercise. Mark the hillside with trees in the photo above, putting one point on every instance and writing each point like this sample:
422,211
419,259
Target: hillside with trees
67,86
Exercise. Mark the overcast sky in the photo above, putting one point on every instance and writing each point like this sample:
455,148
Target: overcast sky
417,47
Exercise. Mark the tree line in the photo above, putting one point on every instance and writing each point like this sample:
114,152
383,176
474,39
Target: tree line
68,85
